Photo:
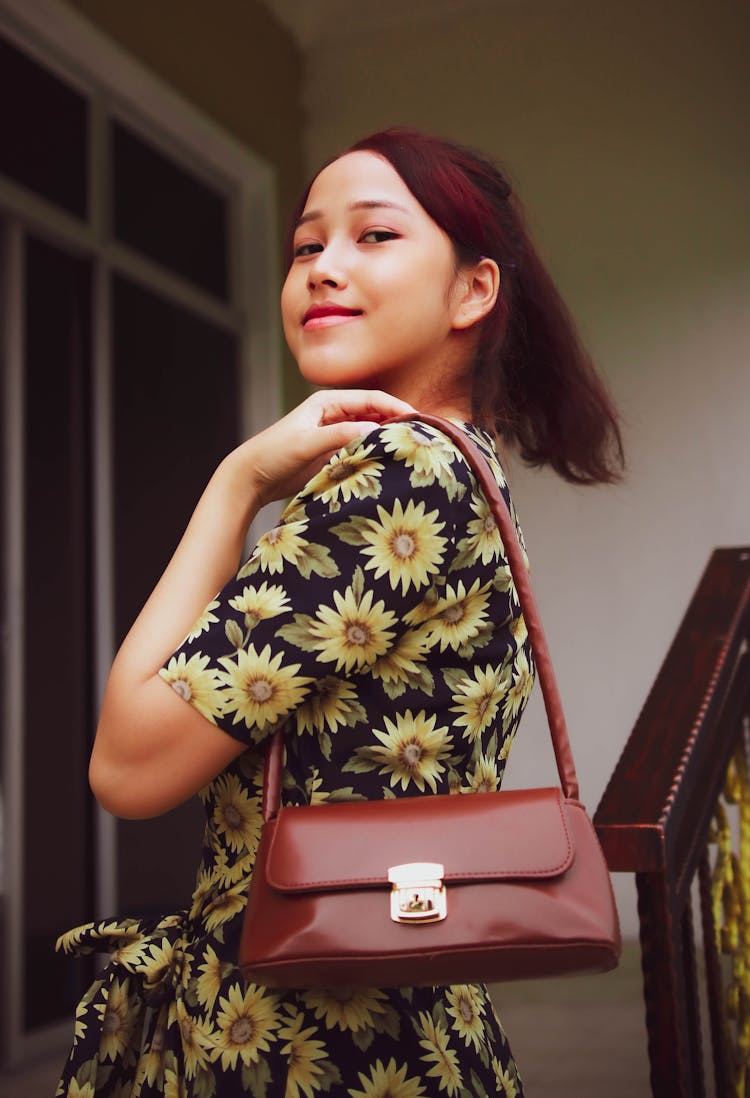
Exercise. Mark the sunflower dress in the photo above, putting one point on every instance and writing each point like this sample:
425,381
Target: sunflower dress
378,623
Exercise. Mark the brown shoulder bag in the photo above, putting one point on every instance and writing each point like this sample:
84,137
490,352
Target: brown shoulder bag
436,888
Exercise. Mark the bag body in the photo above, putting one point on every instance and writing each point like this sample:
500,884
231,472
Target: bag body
439,888
525,886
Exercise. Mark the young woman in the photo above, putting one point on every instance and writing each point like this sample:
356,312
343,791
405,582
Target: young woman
377,623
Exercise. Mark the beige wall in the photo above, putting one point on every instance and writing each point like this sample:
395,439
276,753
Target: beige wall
625,129
237,64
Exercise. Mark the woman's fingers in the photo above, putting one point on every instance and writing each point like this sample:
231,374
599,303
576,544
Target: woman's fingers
371,405
278,462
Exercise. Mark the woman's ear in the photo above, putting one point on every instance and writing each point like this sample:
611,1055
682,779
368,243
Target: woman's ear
476,293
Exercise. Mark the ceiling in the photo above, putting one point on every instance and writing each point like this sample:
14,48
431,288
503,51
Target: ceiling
314,21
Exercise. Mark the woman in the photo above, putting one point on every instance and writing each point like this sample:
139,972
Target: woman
377,623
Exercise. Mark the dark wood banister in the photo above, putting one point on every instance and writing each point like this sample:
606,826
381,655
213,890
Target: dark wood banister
654,817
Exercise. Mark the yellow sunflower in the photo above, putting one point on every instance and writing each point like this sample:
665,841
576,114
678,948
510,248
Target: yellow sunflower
303,1051
478,699
355,634
227,904
518,630
259,691
206,619
445,1061
355,475
466,1009
228,874
507,1078
203,885
387,1082
71,939
196,1037
412,749
130,947
424,610
483,538
520,690
246,1024
195,683
349,1008
405,545
332,702
236,816
86,1090
173,1087
208,985
403,659
157,963
429,455
261,603
484,778
459,615
151,1064
279,545
116,1020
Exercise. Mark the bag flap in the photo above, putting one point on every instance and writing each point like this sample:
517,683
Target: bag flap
517,834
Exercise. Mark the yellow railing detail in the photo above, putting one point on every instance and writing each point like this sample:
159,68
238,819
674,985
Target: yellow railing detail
730,897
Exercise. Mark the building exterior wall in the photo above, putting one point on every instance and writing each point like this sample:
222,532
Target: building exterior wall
624,128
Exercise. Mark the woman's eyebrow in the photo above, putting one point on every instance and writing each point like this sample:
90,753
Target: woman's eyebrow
362,204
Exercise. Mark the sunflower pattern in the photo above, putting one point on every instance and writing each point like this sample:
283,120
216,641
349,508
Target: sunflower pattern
379,626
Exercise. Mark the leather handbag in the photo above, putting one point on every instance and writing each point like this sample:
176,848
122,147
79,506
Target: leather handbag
436,888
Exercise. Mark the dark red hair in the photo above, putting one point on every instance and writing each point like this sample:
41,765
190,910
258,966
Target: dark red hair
534,384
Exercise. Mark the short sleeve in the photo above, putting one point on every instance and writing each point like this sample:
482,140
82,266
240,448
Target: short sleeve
334,586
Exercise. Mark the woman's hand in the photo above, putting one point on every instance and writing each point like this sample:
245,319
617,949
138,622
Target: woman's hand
277,462
144,729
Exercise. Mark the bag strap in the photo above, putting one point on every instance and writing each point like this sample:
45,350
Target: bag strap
519,571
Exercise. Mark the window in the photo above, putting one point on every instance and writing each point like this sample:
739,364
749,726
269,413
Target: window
131,234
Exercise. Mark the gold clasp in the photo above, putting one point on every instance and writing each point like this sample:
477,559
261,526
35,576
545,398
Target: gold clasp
418,892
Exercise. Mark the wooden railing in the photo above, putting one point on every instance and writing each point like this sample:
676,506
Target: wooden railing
677,814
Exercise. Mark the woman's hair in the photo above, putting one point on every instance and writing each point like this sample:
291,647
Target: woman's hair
533,384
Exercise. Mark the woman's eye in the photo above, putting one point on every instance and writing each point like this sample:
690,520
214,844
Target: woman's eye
377,236
307,249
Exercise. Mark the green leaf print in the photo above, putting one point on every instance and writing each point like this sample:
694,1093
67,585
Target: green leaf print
455,677
363,1038
300,632
346,794
317,560
466,555
353,531
256,1078
330,1076
394,689
481,638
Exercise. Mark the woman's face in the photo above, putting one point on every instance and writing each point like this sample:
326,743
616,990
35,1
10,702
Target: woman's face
369,298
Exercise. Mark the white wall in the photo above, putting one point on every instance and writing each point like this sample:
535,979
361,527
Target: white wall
625,130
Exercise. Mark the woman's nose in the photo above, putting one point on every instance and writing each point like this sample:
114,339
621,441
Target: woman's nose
327,269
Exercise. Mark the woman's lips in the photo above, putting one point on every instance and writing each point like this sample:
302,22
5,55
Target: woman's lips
326,316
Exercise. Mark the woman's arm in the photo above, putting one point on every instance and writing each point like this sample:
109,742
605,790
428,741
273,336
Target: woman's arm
151,750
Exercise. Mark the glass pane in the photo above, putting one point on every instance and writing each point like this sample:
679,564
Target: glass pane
43,131
58,858
168,214
176,394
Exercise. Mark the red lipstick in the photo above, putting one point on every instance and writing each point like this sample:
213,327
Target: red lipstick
326,314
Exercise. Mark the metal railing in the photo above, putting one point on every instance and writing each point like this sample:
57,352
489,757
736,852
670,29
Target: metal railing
676,813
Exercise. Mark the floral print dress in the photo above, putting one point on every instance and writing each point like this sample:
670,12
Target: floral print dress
379,624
